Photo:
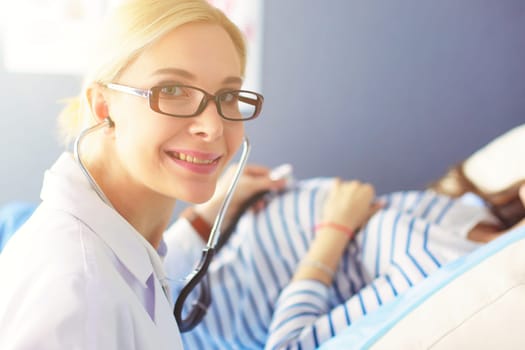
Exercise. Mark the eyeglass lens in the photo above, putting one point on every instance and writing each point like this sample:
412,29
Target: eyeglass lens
180,100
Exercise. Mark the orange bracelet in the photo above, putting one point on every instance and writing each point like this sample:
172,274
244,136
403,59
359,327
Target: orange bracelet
338,227
200,225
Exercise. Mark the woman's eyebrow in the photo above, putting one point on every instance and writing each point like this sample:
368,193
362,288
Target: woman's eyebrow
232,80
177,71
185,74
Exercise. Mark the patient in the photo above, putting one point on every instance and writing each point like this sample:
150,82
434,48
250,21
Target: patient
411,237
294,274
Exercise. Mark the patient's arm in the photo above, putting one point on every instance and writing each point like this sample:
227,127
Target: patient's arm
522,198
494,173
348,206
485,232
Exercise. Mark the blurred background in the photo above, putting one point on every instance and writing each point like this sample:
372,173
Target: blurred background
391,92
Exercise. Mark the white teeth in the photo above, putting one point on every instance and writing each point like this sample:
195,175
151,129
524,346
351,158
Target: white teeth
190,159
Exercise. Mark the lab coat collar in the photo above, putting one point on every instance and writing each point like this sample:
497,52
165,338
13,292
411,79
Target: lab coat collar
66,188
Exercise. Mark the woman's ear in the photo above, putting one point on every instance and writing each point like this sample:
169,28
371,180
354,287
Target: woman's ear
98,103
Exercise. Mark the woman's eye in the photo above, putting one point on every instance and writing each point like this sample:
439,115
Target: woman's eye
172,90
228,97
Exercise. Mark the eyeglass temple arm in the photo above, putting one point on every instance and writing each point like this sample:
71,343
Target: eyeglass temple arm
248,100
128,89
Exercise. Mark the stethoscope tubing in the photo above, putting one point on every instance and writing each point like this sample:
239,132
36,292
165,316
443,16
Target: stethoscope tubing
215,230
198,275
76,152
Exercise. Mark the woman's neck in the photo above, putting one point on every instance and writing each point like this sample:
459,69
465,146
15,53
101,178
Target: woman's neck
150,218
147,211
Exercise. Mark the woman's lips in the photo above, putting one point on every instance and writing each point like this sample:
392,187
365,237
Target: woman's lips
198,162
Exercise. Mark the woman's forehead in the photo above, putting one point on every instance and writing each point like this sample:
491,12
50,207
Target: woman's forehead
196,51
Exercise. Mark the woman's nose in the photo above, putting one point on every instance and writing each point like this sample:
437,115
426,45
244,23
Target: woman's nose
209,124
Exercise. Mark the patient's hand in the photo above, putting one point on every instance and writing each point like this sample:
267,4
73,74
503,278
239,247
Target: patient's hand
350,204
255,179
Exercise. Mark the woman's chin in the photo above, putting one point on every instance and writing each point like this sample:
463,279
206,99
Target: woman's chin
198,196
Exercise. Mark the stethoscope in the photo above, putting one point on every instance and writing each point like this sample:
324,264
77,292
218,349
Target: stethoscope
198,276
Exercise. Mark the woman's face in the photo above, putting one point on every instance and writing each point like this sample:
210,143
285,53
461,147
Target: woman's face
168,156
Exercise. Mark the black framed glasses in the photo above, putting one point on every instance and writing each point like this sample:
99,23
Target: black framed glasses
185,101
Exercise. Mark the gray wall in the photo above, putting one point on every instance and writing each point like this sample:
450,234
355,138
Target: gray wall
392,92
29,140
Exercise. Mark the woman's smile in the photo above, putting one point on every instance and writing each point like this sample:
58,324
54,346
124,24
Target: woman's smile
198,162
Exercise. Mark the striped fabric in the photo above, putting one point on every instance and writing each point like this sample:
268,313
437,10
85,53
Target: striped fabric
254,305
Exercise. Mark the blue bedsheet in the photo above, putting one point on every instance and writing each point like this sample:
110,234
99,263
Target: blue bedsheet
12,216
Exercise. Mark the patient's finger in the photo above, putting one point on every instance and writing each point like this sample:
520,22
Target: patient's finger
375,207
256,170
259,205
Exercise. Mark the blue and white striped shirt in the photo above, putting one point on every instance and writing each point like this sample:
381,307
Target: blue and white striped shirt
253,303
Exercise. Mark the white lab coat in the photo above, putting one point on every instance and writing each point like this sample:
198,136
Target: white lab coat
79,276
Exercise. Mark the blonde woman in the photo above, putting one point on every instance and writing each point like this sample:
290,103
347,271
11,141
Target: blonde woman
158,120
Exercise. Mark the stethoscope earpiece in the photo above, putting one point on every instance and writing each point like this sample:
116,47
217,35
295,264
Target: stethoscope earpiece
109,122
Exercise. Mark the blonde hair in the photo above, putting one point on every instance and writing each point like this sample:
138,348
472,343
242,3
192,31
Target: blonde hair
129,29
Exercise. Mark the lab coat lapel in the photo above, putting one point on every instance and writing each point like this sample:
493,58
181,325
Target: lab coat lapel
164,319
